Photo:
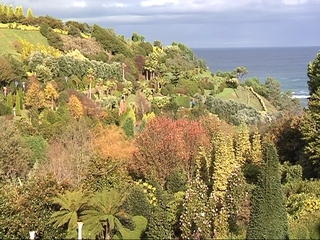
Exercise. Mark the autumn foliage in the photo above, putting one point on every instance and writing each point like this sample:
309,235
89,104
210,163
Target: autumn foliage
167,145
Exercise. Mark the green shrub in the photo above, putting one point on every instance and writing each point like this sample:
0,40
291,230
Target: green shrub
5,109
231,111
176,182
38,145
221,87
137,202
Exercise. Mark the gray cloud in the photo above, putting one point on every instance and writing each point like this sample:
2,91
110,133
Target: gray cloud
215,23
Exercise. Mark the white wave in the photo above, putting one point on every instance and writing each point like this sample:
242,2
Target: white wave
300,96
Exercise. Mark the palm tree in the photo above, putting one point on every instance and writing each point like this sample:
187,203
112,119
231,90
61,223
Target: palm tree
101,219
71,204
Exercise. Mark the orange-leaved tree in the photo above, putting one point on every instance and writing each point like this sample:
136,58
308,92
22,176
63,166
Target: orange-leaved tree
167,145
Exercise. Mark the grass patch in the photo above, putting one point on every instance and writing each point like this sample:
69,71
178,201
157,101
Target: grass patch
10,36
182,101
245,96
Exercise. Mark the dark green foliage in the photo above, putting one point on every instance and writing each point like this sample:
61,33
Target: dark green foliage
314,74
74,31
44,29
137,202
268,218
176,182
159,225
291,173
55,40
273,91
110,41
251,172
309,128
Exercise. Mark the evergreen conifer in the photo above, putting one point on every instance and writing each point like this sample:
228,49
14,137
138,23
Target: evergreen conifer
268,219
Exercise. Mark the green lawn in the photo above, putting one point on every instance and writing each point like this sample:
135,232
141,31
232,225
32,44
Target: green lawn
10,36
245,96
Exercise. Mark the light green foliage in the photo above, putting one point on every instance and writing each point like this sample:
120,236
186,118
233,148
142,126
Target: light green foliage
223,165
140,223
103,214
71,204
18,105
256,150
10,102
38,146
303,199
242,145
145,119
224,162
268,219
128,123
29,13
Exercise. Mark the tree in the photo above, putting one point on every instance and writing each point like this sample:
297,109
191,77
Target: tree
268,218
7,72
14,153
71,204
314,74
196,219
35,96
165,145
310,131
18,105
29,207
75,107
240,72
51,93
273,91
102,217
29,13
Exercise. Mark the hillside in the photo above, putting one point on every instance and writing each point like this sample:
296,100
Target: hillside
9,38
117,67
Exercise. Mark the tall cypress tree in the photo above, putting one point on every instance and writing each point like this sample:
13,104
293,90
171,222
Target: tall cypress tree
268,219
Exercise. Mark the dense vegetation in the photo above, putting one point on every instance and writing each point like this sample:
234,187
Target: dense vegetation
140,140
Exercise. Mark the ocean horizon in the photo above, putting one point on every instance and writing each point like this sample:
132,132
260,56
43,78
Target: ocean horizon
288,65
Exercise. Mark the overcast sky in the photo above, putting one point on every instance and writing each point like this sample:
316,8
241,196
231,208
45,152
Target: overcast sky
196,23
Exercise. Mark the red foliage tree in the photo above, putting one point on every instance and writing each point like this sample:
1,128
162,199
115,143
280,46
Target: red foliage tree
168,145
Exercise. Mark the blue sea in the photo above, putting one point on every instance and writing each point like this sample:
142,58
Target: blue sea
288,65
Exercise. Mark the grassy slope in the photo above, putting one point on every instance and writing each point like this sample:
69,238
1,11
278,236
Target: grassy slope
10,36
245,96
